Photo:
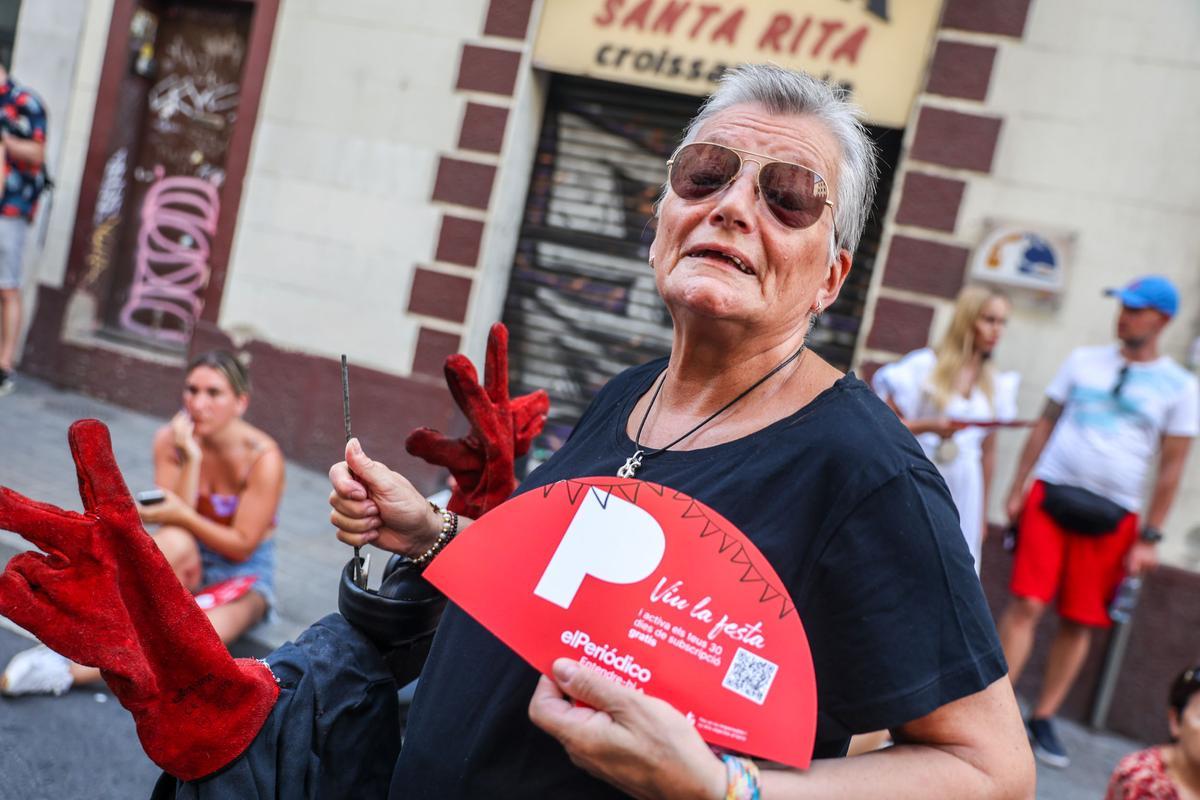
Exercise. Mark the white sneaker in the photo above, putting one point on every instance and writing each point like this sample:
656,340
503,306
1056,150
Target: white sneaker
7,384
38,670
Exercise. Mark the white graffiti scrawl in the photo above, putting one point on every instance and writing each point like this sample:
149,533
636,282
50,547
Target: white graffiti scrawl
182,94
171,269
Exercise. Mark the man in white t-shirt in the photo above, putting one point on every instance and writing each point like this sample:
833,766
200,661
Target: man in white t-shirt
1110,412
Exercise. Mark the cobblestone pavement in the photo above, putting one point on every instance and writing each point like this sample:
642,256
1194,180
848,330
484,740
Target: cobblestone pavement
34,460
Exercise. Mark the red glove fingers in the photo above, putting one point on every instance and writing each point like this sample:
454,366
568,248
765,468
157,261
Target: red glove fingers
436,448
495,365
529,417
501,429
101,486
48,527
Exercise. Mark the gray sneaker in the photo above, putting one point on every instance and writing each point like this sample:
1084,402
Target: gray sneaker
38,670
7,384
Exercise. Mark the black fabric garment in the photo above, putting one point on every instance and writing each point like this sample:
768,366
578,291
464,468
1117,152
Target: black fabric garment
334,732
854,519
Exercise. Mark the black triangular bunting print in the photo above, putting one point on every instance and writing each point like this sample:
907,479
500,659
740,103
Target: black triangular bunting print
548,488
602,495
727,542
768,594
709,529
629,491
691,512
573,490
751,575
740,557
657,488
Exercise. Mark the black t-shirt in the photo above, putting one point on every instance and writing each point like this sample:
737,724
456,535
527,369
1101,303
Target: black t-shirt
854,519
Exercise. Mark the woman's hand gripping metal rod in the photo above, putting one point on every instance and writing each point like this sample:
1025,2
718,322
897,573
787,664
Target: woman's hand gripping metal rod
361,567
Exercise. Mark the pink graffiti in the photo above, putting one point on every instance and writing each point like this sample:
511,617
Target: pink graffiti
179,217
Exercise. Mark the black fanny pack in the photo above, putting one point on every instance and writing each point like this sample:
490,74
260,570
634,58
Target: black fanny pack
1081,511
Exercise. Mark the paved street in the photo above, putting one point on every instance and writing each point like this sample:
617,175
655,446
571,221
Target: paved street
83,745
79,745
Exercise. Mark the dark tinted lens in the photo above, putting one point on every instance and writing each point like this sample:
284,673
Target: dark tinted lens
701,169
795,195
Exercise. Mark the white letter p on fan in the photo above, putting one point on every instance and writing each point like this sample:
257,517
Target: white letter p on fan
616,542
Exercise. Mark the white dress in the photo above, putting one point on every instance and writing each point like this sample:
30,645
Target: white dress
906,384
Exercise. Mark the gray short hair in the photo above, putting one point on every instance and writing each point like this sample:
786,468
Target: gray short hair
785,91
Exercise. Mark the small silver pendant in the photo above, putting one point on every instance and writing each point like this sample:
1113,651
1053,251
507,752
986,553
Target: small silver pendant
947,451
631,465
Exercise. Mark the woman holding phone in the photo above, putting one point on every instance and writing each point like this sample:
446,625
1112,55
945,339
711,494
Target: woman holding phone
938,392
220,480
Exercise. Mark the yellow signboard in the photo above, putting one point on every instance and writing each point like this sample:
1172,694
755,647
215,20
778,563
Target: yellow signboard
875,48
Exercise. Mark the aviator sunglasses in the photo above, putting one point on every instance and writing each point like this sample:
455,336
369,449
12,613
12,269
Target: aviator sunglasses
794,194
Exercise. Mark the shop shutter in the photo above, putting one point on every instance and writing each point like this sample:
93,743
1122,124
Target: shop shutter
581,303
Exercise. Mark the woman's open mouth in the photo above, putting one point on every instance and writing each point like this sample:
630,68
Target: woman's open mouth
721,255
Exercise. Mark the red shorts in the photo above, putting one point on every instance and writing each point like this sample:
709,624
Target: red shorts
1083,570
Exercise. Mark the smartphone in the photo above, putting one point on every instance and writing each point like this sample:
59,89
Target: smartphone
150,497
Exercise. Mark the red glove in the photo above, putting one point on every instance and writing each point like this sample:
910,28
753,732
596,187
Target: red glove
103,595
501,429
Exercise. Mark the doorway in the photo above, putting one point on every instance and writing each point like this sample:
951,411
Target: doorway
159,200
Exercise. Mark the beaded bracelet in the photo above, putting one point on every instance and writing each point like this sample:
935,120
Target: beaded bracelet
447,532
742,779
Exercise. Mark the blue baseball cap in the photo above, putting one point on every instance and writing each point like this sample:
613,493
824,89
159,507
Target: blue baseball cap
1149,291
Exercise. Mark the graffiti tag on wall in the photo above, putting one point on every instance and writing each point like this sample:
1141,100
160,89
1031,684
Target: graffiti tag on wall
109,200
184,94
171,268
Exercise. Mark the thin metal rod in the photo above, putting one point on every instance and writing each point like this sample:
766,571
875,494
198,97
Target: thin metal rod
358,577
346,397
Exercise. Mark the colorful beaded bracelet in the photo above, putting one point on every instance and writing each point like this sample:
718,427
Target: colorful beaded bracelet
742,779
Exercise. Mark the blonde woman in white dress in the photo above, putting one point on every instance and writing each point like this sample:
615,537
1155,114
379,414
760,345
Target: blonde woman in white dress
938,391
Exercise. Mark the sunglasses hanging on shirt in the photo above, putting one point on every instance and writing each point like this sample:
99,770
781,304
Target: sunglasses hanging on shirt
1120,384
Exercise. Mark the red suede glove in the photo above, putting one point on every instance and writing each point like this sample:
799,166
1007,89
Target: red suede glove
502,428
103,595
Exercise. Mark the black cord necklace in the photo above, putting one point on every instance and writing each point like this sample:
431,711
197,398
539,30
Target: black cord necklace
634,462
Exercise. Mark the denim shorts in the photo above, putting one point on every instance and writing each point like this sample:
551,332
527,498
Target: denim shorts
260,565
12,250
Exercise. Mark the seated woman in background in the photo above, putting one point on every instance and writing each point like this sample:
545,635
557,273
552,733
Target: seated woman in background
221,480
938,392
1169,771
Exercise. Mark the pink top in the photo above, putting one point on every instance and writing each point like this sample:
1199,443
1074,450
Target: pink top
1141,776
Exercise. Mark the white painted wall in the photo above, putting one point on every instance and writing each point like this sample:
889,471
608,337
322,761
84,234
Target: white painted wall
1101,101
358,105
58,54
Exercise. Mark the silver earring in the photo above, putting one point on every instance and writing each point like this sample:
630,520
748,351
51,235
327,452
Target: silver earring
651,262
819,308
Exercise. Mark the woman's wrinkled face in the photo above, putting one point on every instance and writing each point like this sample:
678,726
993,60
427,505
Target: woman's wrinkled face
990,324
1185,729
783,272
210,400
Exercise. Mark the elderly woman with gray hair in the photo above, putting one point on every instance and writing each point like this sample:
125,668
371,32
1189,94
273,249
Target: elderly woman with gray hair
765,202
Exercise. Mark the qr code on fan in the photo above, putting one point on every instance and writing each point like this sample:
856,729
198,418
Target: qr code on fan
750,676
